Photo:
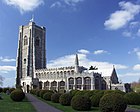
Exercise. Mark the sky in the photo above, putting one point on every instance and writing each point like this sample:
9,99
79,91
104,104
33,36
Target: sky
102,33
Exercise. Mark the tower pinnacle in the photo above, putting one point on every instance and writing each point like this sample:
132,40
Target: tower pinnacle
32,19
76,64
76,60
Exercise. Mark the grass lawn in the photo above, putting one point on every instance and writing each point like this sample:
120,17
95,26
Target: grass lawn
135,106
7,105
67,108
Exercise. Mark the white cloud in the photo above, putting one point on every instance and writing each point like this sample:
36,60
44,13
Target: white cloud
5,59
137,52
6,69
9,82
103,67
72,2
136,67
132,30
24,5
131,74
100,52
138,33
64,3
56,4
120,18
83,51
127,34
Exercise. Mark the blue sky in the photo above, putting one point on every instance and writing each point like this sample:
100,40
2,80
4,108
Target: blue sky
103,33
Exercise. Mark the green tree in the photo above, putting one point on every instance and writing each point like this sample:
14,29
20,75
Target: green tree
1,80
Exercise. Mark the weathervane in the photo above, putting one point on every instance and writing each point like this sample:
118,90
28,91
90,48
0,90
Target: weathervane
32,19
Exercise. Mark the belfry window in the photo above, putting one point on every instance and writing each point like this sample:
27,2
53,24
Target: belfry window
25,40
24,61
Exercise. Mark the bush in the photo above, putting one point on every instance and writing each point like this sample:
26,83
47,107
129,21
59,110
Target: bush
11,89
37,92
73,92
42,92
112,102
132,98
55,97
114,91
33,91
81,102
89,93
65,99
95,98
47,96
17,95
5,89
81,92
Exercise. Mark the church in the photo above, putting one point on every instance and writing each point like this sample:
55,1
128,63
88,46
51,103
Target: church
32,71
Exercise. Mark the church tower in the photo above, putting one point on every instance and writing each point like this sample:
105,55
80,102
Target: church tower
31,53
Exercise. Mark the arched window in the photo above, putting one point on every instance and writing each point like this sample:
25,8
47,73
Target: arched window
78,82
24,61
71,83
53,85
47,84
25,40
62,85
97,82
87,83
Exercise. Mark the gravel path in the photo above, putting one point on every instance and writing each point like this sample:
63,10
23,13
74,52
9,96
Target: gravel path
39,105
131,110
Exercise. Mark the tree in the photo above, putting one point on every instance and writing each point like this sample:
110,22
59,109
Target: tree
1,80
136,86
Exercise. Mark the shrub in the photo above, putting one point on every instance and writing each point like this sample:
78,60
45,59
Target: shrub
33,91
47,96
132,98
55,97
112,102
37,92
65,99
17,95
89,93
73,92
81,103
5,89
81,92
95,98
42,92
11,89
114,91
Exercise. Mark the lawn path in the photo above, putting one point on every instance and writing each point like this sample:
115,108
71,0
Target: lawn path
39,105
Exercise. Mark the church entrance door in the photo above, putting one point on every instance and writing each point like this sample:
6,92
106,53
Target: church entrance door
27,88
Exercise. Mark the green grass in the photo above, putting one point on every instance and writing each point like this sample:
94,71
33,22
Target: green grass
66,108
7,105
135,106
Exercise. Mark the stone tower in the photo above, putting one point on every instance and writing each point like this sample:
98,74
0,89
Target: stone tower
31,53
